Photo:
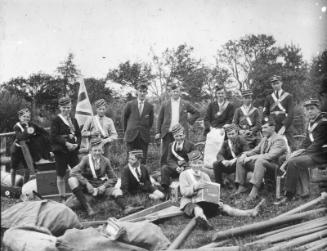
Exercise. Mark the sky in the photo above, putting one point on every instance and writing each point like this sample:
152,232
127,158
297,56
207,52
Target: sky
36,35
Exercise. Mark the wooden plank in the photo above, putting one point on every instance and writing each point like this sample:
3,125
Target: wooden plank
27,156
169,212
148,211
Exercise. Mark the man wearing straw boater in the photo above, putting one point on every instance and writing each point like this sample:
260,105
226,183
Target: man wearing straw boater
65,137
314,149
101,126
279,105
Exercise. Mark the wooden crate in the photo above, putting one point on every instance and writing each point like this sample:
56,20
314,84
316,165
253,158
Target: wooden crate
46,182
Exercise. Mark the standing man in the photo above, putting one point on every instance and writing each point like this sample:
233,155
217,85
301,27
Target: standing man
219,113
174,111
264,156
247,119
279,105
65,137
101,126
137,121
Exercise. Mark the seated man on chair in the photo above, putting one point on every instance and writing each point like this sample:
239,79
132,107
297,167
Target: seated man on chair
314,150
135,177
177,157
95,176
191,182
264,156
227,157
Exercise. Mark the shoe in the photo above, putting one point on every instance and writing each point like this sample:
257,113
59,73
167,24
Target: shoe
130,209
203,224
283,201
240,190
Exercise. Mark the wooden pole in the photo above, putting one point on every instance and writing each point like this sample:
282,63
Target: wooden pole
317,245
305,206
258,226
289,227
27,156
183,235
300,241
215,244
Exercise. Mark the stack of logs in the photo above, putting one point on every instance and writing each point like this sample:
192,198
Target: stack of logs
296,229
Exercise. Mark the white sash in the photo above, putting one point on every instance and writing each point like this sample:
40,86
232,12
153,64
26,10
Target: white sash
133,171
98,125
92,167
71,126
20,126
311,129
247,114
277,101
222,108
231,149
174,152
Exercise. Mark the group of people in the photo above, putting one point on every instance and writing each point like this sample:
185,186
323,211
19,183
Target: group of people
253,143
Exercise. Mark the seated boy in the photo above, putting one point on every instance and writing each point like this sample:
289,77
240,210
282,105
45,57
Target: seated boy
36,139
191,182
135,177
177,157
95,176
227,157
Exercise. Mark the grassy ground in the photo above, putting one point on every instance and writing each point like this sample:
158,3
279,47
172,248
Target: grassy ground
172,227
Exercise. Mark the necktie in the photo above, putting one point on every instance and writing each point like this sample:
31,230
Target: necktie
138,173
140,107
265,146
276,93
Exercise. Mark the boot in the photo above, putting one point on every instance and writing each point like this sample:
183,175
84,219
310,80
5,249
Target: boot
81,197
126,209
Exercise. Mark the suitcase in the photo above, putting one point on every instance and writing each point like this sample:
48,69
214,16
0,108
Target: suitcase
46,166
46,182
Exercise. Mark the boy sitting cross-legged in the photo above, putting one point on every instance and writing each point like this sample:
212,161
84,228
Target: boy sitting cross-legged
191,182
95,176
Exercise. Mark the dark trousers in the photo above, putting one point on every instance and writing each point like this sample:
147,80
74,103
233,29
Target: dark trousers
165,147
219,168
17,157
168,171
65,159
138,143
295,167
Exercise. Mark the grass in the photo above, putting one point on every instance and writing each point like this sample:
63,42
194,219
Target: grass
172,227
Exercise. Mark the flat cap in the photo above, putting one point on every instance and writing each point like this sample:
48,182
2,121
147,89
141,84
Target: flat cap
95,141
246,93
275,78
64,101
194,155
137,153
311,101
23,111
178,128
99,103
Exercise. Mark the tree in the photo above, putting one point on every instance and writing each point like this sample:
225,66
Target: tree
239,56
131,74
69,73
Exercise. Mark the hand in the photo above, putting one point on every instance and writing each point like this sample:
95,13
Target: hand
225,162
93,134
101,189
179,169
282,130
90,188
70,146
157,136
198,186
181,162
241,132
106,140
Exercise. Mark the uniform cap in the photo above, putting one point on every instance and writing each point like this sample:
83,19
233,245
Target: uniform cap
64,101
178,128
100,102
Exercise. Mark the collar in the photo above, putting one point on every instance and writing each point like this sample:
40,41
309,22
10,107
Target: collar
175,101
280,92
140,101
247,107
222,103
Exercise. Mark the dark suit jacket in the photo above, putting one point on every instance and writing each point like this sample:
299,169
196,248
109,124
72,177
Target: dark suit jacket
275,148
240,146
129,183
164,117
188,147
58,135
240,120
84,174
218,121
281,120
133,123
317,149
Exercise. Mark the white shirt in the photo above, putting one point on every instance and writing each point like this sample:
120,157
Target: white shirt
140,102
279,93
174,112
133,171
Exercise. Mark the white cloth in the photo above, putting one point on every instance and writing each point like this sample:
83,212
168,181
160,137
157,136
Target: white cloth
140,106
174,112
214,142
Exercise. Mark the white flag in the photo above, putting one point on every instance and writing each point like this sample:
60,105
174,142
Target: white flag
83,106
